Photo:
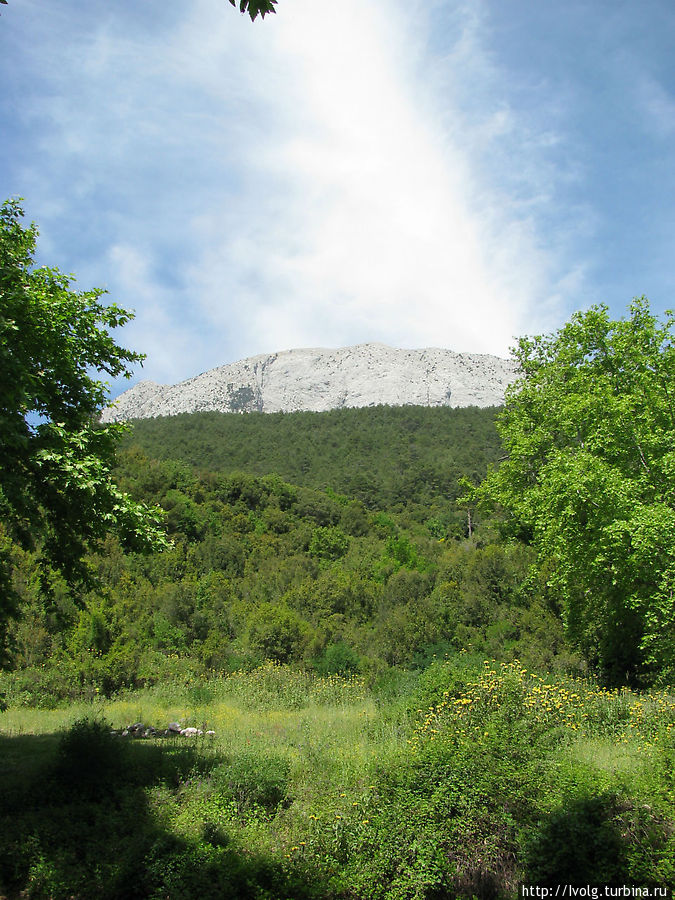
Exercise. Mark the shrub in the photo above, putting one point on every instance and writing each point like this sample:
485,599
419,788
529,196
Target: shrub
338,659
91,761
255,779
277,632
328,543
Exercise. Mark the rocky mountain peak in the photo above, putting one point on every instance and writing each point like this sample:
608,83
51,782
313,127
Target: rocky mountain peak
321,379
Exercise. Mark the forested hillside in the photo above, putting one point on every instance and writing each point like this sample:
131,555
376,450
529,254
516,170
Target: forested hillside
260,568
392,458
375,651
387,675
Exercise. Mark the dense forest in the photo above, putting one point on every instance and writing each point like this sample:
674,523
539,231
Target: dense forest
365,562
390,458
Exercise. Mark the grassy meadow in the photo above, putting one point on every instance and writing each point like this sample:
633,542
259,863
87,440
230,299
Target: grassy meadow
460,781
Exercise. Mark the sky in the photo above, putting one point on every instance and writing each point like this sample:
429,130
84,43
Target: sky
421,173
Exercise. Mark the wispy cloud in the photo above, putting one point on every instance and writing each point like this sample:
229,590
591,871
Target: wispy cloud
328,176
367,219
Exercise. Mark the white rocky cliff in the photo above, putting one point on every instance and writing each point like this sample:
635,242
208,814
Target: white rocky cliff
364,375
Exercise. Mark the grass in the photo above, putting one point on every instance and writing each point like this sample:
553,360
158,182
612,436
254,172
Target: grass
316,787
614,759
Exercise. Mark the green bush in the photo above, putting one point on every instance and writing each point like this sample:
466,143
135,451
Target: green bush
338,659
451,675
328,543
278,633
579,843
402,552
255,779
91,761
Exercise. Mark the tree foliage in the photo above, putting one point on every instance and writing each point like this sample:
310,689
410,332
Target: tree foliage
406,458
242,582
589,432
56,489
255,7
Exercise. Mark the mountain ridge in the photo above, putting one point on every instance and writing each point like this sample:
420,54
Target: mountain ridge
319,379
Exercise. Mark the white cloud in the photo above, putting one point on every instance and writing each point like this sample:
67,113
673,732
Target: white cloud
312,179
366,221
156,329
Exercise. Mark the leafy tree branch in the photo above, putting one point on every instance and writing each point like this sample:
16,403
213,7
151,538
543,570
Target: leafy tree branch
56,489
256,7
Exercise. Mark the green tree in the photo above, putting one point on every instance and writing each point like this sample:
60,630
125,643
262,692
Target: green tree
56,488
328,543
589,478
252,7
277,632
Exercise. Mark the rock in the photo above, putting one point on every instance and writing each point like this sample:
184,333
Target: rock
173,728
191,732
211,733
363,375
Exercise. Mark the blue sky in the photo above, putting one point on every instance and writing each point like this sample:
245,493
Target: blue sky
415,172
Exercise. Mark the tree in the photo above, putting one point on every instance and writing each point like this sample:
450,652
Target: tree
56,488
589,478
252,7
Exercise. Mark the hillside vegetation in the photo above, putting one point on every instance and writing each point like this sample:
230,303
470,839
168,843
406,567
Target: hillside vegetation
461,783
390,458
261,569
397,713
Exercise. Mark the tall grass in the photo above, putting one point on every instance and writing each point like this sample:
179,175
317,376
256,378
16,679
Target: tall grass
316,786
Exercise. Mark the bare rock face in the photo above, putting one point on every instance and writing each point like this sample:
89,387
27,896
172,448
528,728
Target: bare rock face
364,375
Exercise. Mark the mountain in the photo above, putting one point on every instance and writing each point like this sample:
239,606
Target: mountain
318,380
